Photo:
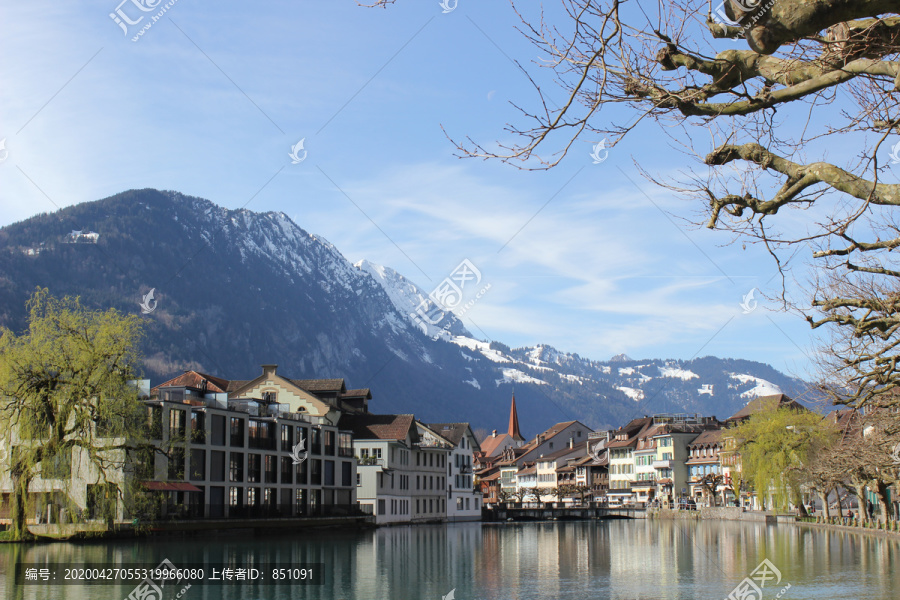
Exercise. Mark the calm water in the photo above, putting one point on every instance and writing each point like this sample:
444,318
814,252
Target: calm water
541,561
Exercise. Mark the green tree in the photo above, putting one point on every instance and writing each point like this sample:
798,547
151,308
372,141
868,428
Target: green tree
774,445
67,411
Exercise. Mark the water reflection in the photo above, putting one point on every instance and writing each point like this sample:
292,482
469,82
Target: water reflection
615,559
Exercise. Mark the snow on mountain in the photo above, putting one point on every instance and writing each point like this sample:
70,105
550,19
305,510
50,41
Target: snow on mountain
407,298
517,376
681,374
483,347
761,387
633,393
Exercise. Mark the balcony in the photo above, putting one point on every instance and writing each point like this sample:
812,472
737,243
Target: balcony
663,464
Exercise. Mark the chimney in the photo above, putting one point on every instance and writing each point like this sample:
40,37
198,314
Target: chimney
269,370
571,443
494,433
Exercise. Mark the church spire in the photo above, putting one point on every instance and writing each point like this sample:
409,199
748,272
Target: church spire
514,421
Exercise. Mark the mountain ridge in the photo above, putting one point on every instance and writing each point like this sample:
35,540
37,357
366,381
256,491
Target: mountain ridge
236,289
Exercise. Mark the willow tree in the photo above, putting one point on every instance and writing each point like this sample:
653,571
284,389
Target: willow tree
775,447
778,106
67,410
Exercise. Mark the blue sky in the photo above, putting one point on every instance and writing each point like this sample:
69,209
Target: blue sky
590,258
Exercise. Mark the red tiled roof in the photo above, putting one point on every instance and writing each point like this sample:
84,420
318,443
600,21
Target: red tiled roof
491,443
360,393
379,427
193,379
712,436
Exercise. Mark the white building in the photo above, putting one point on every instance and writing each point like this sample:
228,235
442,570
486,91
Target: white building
402,475
463,500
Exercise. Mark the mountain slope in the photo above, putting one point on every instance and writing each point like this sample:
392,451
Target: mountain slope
236,289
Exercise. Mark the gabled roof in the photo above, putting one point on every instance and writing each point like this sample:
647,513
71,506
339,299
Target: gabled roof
766,403
358,393
194,380
491,443
452,432
529,470
319,385
578,450
380,427
712,436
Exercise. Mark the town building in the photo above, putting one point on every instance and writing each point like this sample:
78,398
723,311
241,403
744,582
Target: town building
463,498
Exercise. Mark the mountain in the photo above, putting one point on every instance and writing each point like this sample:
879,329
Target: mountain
234,289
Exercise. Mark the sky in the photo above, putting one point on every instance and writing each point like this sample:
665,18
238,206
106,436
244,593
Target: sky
212,97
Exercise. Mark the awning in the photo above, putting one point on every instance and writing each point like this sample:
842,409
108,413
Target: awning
167,486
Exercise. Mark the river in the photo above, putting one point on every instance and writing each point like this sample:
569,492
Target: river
618,559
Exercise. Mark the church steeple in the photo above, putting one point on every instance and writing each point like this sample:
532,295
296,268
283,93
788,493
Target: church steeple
514,421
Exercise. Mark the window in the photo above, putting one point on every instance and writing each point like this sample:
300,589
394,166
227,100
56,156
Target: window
381,506
198,427
154,421
177,423
253,496
176,462
271,466
217,465
345,444
198,464
330,449
316,441
236,467
254,468
235,497
58,466
237,432
287,470
358,479
302,472
287,438
218,430
316,470
329,472
262,435
346,473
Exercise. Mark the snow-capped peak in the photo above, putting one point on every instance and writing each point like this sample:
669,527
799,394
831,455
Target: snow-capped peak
407,297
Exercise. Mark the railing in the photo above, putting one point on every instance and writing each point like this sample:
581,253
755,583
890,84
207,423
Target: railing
262,511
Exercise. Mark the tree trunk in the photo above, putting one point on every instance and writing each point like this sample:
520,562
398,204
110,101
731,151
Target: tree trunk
18,509
823,496
860,491
881,489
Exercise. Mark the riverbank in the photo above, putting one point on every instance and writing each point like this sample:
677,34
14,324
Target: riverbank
86,532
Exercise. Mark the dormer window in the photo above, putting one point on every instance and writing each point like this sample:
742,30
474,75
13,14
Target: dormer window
270,396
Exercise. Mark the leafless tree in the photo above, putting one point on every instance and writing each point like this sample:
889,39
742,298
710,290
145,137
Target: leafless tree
779,106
